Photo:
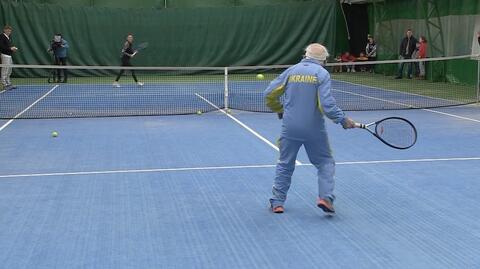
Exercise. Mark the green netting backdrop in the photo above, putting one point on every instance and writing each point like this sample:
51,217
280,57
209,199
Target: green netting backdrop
222,36
451,27
157,4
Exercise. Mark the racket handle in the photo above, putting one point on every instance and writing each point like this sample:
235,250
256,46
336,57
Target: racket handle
360,125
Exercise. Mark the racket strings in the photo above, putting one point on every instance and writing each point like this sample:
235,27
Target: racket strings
142,46
397,133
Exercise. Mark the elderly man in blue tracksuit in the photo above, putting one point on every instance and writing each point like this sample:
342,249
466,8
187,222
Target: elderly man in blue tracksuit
307,98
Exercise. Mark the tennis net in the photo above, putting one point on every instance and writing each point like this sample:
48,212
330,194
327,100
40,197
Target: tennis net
89,91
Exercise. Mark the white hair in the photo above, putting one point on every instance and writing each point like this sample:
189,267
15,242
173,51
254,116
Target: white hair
317,52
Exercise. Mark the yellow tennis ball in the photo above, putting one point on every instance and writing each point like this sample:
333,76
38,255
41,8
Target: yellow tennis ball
260,76
54,134
199,112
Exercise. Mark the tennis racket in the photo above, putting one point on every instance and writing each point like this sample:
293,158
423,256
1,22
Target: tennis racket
141,46
395,132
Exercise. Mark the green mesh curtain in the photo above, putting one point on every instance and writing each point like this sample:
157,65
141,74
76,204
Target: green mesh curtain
224,36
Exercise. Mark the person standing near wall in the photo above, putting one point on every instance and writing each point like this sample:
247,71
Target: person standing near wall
422,54
371,51
59,47
6,50
407,47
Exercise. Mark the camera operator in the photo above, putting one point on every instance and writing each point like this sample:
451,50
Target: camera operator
59,47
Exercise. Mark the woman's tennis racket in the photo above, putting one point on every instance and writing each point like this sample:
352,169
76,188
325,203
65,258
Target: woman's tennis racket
142,46
395,132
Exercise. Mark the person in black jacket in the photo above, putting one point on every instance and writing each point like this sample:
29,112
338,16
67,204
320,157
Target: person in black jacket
407,47
127,53
6,50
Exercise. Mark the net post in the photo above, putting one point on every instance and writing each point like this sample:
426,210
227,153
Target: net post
226,89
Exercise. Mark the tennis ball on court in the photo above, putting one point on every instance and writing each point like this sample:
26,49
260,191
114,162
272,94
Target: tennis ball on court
54,134
229,111
199,112
260,76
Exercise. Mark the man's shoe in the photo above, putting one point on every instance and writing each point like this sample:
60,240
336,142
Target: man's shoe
326,205
278,209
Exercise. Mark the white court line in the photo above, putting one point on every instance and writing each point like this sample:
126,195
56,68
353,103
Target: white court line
394,91
243,125
412,160
451,115
373,98
206,168
405,105
153,170
26,109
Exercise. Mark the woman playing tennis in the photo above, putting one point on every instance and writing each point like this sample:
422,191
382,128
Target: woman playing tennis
127,53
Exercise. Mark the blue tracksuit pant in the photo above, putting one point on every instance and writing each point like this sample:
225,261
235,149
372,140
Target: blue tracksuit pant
319,154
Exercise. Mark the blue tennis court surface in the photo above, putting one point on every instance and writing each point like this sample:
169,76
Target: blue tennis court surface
192,192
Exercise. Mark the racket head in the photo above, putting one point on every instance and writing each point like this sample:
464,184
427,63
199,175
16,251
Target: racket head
142,46
396,132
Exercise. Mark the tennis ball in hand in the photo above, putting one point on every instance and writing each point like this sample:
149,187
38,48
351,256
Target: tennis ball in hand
260,76
54,134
